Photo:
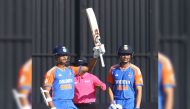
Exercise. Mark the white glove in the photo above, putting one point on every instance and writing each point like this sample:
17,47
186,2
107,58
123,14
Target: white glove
115,106
53,108
112,106
118,106
99,50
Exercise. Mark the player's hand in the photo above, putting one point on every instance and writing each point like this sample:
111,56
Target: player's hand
112,105
99,50
102,49
118,106
53,108
103,87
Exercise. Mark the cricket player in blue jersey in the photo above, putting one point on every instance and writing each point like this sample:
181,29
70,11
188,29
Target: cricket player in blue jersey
125,82
60,79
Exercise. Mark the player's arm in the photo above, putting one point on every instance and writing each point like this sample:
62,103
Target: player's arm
110,93
50,103
24,99
48,81
169,93
138,85
24,86
83,69
168,80
91,64
110,86
138,96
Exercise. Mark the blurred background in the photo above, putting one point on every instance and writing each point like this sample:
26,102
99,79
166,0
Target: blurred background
15,45
172,29
33,27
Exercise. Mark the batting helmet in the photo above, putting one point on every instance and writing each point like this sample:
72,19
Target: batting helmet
125,49
60,51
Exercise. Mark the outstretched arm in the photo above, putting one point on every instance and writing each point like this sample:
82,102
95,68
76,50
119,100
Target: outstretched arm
92,64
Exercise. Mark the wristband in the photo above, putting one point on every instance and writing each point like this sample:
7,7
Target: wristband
49,99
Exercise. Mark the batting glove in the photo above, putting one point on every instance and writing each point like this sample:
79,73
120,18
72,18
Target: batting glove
112,105
118,106
99,50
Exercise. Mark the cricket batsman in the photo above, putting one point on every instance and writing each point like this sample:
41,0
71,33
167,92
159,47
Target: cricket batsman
166,82
60,80
125,82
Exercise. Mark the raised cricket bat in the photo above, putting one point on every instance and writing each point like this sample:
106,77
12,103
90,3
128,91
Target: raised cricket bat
95,32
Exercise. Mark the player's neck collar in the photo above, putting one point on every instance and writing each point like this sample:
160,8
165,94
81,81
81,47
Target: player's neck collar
125,66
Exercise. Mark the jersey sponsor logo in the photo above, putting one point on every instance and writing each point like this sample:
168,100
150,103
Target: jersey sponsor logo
65,87
65,81
122,87
123,82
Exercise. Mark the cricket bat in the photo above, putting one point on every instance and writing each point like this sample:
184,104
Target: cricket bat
44,97
95,32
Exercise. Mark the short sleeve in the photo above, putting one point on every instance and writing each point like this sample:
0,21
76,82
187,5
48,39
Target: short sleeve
168,78
138,78
25,76
49,77
138,75
75,69
110,77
